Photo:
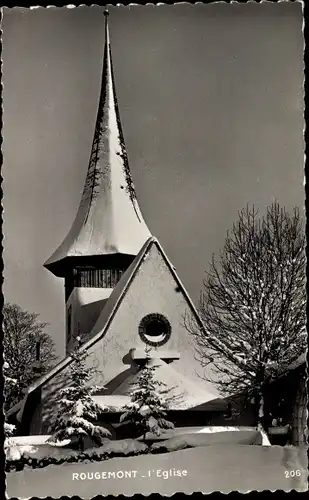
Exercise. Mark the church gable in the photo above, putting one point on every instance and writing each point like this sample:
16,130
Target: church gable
146,310
149,313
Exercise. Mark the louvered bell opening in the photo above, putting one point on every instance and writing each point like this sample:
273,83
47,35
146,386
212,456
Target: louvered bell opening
92,278
96,278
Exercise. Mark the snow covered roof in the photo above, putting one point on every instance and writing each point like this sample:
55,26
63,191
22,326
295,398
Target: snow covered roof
109,220
183,393
301,360
113,402
16,408
213,405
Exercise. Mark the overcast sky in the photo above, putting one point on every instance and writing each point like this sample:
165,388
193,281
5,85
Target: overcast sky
211,102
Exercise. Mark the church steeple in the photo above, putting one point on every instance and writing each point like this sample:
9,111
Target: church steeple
109,221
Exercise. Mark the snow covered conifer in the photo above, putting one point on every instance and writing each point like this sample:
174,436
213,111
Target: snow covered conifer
148,407
9,429
77,411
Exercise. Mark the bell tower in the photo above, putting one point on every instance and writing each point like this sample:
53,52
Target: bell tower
109,229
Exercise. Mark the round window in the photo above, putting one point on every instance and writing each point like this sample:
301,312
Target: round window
155,329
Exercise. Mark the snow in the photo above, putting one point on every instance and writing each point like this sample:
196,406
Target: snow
243,437
261,408
179,431
123,447
13,452
215,468
39,452
36,446
9,429
35,441
218,429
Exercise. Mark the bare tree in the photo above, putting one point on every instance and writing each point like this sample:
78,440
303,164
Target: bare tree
23,335
253,304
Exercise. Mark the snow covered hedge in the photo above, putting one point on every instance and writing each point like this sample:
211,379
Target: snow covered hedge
193,440
38,457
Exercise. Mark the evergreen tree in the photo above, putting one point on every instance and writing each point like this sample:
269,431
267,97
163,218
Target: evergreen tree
78,412
148,407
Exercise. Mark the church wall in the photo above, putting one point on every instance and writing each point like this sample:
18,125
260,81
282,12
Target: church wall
86,305
50,398
46,410
152,290
35,427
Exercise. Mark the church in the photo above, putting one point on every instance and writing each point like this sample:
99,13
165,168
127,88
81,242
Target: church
123,296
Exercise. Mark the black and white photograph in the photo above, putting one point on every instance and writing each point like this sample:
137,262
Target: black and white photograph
154,250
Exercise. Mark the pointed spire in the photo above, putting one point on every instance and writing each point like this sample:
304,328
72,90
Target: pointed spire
109,220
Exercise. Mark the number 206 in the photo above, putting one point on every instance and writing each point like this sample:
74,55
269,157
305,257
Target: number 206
292,473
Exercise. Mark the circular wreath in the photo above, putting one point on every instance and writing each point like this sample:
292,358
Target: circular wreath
148,327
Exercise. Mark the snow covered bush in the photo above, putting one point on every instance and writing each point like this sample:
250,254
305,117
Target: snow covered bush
124,447
9,429
147,409
242,437
77,411
38,457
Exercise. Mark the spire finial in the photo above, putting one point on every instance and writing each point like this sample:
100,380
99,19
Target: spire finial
106,14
